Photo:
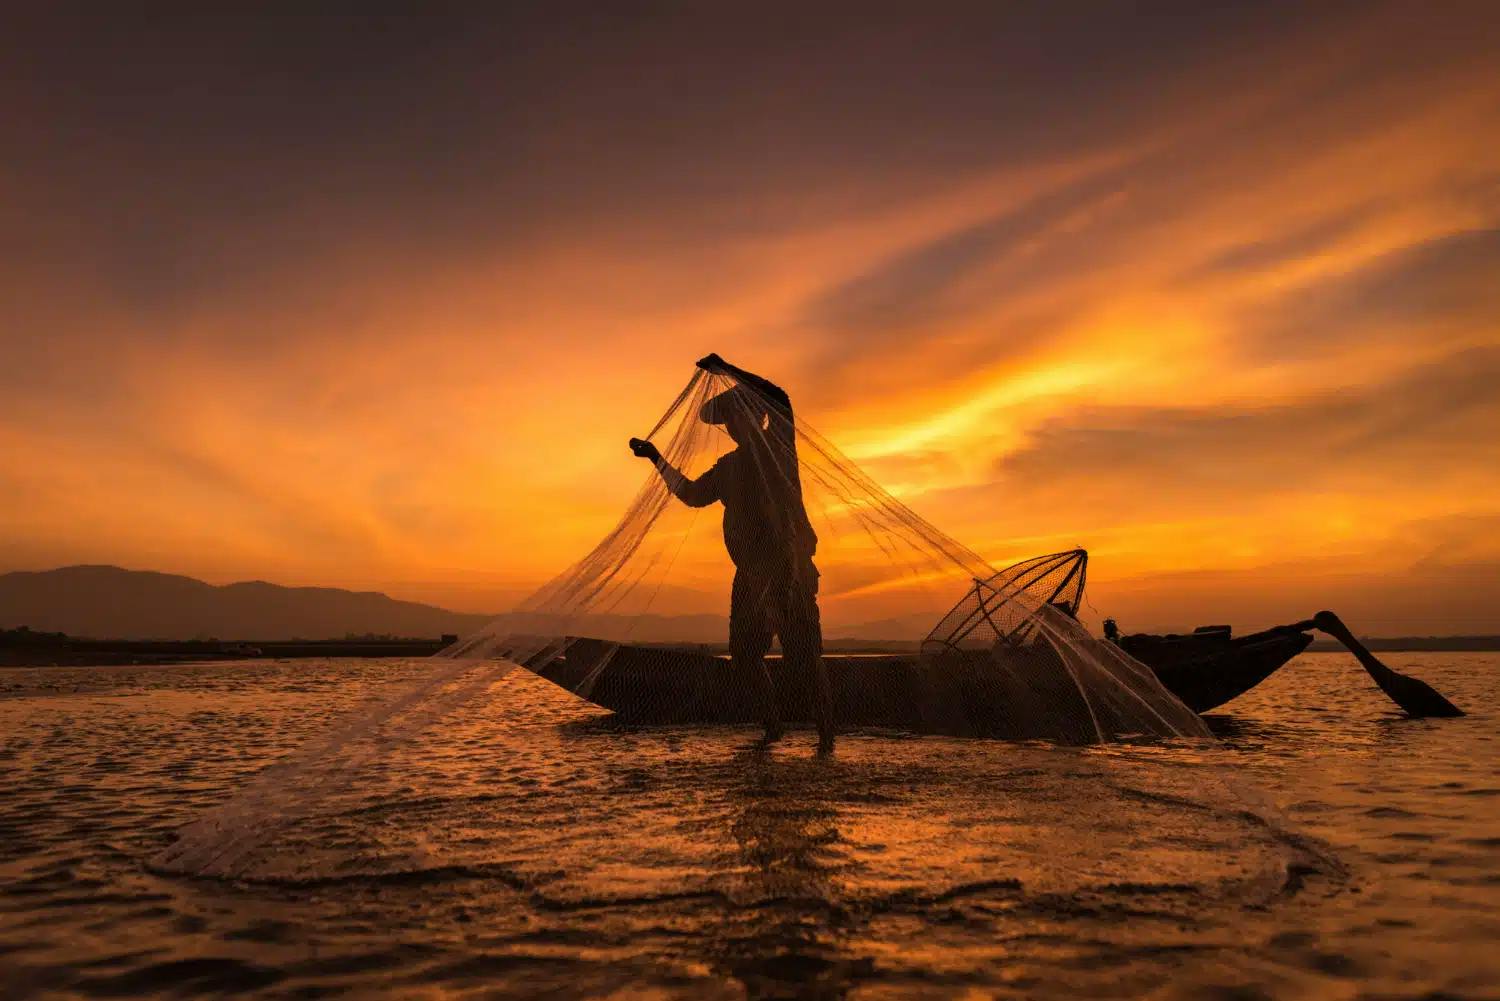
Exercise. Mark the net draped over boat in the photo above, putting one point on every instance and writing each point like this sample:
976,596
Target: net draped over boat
1011,660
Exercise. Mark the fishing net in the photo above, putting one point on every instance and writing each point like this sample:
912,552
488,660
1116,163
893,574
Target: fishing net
831,587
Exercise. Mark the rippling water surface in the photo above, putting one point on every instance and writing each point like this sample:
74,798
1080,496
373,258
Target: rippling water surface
1325,847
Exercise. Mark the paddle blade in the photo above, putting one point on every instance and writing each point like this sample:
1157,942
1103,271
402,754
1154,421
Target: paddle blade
1418,698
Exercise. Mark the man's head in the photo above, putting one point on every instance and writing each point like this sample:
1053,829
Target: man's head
741,413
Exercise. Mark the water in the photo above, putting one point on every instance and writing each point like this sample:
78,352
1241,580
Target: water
1326,847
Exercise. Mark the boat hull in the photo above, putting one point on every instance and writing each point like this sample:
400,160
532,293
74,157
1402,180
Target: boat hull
673,686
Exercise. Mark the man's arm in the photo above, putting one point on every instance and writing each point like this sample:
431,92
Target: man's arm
694,493
715,365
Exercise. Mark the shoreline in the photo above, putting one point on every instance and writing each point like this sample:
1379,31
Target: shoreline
54,650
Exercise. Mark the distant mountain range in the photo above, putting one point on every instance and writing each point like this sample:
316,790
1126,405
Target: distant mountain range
108,602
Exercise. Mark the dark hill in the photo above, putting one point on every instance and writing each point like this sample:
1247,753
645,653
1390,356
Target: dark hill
110,602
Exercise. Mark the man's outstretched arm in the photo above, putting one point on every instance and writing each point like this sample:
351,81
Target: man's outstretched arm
694,493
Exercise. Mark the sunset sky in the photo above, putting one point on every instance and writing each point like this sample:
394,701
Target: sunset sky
1211,291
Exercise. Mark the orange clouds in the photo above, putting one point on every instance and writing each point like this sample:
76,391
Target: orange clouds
1222,303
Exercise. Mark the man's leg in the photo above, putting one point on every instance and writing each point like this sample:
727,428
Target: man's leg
749,639
801,634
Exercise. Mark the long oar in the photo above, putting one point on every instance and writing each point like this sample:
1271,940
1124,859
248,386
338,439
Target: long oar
1418,698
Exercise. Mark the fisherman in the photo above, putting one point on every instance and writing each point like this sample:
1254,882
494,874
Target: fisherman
768,535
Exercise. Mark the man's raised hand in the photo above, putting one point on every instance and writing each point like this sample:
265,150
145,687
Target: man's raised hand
712,364
645,449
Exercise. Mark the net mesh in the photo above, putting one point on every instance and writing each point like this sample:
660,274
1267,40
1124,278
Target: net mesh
749,509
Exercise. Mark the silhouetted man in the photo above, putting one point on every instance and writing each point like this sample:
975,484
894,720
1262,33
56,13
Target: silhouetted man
767,534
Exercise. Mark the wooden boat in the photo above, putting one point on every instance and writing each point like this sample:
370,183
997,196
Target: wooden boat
979,670
957,695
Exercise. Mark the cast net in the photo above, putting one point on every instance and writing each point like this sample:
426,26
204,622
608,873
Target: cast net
758,573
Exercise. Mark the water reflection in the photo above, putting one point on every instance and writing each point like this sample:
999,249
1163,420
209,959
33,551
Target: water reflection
532,848
783,934
1246,732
